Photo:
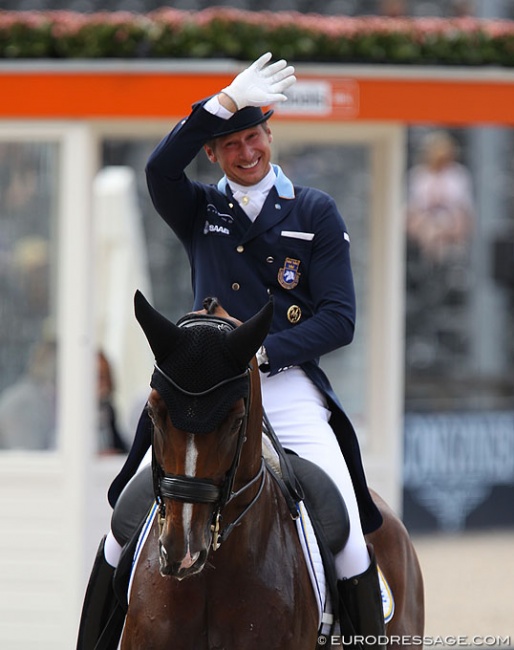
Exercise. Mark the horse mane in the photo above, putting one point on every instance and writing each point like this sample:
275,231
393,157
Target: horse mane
212,307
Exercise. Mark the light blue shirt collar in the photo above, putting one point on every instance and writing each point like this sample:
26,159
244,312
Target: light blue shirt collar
284,186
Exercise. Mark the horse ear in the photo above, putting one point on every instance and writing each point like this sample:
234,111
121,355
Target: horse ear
248,337
162,334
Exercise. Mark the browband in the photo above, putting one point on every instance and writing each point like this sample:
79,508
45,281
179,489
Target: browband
223,324
203,392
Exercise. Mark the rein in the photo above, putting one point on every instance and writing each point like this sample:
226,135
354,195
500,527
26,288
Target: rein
190,489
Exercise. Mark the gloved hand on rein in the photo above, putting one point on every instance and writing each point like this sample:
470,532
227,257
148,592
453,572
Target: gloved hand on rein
261,84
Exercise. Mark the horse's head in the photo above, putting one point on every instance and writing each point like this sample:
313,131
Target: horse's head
202,389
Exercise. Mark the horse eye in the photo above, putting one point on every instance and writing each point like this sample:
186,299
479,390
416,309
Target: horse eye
236,425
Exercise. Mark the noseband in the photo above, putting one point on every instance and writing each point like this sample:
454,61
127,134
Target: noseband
189,489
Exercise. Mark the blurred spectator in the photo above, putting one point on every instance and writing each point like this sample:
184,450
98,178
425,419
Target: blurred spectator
27,408
440,211
110,440
31,270
463,8
393,8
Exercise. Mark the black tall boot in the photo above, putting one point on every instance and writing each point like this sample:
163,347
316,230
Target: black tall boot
101,613
361,609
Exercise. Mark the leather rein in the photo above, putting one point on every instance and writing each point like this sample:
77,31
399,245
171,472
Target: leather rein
190,489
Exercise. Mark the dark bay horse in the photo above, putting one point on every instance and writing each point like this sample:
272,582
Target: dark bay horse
221,565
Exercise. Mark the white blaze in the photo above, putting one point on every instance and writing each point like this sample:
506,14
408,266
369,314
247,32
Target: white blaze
190,470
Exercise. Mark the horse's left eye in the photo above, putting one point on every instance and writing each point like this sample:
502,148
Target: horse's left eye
236,425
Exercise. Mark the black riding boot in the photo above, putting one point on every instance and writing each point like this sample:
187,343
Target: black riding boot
100,607
361,608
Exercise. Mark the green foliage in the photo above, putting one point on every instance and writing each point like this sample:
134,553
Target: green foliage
243,35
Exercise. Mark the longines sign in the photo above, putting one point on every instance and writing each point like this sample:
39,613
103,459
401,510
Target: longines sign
452,461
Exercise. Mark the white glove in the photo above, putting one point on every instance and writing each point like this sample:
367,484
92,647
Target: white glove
261,85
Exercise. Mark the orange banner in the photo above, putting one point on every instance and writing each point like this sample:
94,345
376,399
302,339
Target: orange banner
89,95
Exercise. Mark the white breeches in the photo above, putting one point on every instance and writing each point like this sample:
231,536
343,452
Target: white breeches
299,415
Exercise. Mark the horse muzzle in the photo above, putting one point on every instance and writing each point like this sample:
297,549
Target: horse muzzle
183,550
189,565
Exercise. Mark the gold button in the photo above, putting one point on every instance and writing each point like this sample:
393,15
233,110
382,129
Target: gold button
240,249
236,286
294,313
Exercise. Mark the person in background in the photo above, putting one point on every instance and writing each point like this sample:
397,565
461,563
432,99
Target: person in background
440,213
28,407
110,441
392,8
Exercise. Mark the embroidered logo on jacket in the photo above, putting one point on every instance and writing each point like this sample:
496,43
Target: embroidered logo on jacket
288,275
213,215
211,227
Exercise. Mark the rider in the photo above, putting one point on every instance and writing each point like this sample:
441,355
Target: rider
256,234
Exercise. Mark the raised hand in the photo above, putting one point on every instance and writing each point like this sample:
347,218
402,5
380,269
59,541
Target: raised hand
261,84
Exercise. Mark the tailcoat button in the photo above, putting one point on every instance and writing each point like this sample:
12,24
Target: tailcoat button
236,286
240,249
270,260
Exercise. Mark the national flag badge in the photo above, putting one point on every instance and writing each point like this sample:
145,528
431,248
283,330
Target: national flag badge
288,275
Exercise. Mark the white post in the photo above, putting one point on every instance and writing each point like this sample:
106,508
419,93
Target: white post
383,453
76,372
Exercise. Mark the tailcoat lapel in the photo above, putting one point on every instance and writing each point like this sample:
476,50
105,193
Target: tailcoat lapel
274,210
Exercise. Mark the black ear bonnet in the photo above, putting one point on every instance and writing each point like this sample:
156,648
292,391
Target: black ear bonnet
201,363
